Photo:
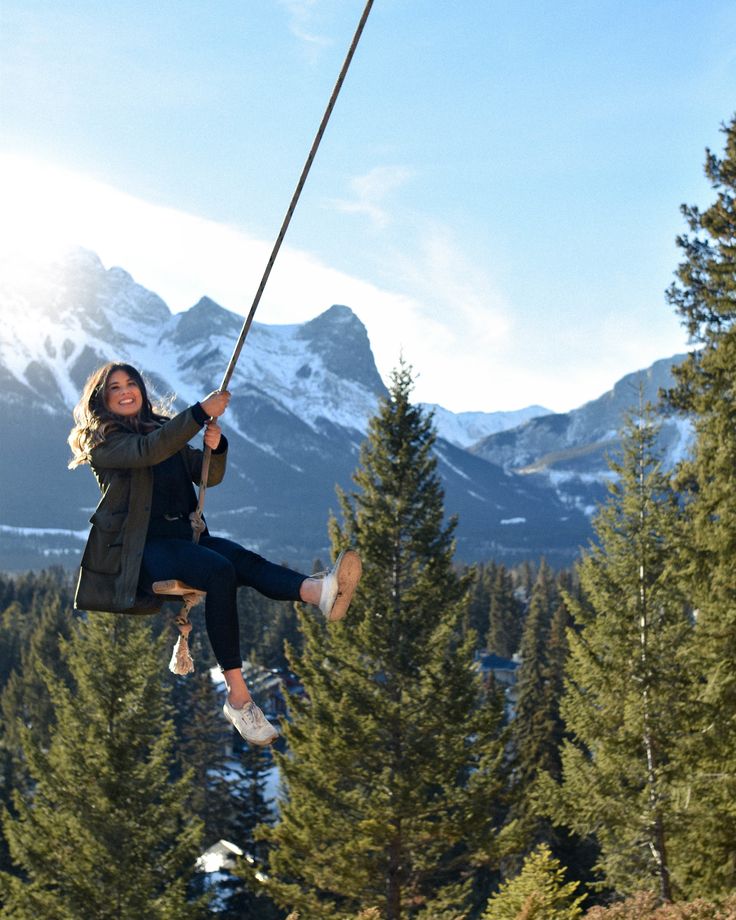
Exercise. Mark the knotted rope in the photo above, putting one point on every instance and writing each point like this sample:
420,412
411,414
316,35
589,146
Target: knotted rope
196,516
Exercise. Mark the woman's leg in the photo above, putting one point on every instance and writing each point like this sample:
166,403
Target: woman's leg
253,571
201,567
210,571
331,594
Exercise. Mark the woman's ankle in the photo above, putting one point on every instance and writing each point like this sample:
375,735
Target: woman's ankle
237,691
310,591
238,701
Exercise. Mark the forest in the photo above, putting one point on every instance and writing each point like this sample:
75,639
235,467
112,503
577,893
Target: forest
415,779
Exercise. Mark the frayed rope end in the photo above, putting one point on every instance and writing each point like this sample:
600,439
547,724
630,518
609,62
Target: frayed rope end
181,658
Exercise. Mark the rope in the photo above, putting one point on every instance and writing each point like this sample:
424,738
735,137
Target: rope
197,515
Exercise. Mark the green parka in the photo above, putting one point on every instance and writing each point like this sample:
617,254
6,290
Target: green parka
111,562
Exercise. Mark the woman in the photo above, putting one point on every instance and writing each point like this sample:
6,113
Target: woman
141,529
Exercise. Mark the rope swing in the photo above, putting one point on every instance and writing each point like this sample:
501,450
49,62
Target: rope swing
181,660
196,516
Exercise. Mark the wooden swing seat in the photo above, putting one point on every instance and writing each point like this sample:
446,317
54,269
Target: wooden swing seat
190,597
175,588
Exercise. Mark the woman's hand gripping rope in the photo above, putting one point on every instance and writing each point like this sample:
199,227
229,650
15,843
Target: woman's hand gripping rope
213,405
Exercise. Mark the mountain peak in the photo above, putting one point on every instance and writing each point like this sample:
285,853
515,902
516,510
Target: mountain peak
341,341
206,305
204,319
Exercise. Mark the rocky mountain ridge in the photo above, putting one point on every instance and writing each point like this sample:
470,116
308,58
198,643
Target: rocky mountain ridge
570,451
302,398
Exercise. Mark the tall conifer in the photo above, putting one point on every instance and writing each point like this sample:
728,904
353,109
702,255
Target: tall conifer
243,895
505,615
626,694
536,728
483,576
46,617
705,297
103,833
392,774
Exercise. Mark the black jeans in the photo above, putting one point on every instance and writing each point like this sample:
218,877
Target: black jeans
218,566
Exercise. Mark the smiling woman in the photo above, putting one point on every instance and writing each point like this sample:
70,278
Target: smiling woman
142,527
123,394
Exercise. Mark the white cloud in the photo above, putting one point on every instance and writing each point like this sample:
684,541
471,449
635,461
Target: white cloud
456,292
370,192
300,16
444,312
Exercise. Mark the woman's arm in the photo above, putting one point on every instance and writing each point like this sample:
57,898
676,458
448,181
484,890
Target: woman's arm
127,450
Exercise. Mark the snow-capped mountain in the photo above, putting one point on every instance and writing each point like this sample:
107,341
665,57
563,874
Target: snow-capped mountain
302,398
77,315
463,429
570,451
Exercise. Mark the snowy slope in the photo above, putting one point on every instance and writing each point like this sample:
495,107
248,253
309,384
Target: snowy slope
302,398
571,451
463,429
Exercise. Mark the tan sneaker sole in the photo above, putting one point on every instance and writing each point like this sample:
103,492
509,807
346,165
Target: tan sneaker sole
348,569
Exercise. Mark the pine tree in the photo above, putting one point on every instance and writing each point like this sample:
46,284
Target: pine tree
202,743
24,701
535,730
23,601
104,832
534,743
266,626
483,577
228,784
538,892
705,297
505,615
392,775
243,895
626,695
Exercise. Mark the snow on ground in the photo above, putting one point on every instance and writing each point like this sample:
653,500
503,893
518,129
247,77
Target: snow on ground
44,532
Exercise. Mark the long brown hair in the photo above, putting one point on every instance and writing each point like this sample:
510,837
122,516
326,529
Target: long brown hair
94,421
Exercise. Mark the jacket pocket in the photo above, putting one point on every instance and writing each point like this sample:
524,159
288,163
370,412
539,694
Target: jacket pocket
104,549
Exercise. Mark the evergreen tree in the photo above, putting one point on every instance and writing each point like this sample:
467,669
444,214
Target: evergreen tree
538,892
393,772
22,601
103,833
705,297
202,743
24,701
626,696
533,727
505,616
483,577
244,895
524,577
228,784
13,626
536,730
266,626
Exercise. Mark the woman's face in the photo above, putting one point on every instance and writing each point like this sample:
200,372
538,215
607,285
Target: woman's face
123,395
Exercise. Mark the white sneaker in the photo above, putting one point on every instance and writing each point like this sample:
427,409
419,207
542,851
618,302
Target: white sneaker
339,584
251,723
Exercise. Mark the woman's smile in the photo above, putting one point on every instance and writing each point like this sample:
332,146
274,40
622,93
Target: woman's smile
122,394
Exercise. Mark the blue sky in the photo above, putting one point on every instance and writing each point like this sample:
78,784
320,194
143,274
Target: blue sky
497,195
